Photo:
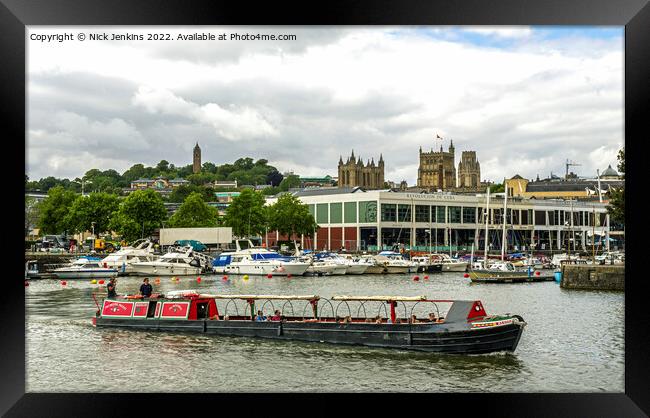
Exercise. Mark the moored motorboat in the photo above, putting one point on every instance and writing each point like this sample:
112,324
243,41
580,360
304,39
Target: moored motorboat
176,262
450,264
258,261
465,327
396,264
84,268
505,272
425,264
140,251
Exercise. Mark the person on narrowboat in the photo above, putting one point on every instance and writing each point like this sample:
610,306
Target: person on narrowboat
111,288
277,315
432,317
145,288
260,316
414,319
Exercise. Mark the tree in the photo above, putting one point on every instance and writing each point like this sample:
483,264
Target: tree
54,209
289,182
162,166
139,214
180,193
97,208
288,215
194,213
274,178
497,188
616,207
246,215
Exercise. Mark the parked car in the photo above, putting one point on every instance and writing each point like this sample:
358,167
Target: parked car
196,245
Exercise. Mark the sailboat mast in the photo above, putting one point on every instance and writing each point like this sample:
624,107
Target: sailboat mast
487,218
504,218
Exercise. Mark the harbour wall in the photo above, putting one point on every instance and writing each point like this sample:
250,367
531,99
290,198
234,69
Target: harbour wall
593,277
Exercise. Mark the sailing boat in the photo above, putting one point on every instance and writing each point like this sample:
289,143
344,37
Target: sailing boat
501,271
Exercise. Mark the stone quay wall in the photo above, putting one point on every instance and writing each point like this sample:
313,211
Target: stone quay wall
592,277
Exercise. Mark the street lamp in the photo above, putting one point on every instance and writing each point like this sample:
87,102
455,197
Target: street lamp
93,225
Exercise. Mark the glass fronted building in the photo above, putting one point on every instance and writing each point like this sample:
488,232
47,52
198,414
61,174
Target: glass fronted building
355,220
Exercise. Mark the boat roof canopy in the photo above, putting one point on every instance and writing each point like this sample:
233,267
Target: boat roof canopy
382,298
249,297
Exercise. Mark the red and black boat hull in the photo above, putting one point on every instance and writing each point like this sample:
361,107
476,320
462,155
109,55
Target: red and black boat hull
440,338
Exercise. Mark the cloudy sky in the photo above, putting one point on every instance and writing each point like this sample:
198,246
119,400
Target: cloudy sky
526,99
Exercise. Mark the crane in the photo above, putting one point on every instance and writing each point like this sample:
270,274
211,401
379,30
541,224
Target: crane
568,164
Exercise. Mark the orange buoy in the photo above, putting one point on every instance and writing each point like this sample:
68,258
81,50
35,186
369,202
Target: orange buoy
288,275
198,280
270,276
465,275
537,273
426,277
224,278
416,278
101,282
63,283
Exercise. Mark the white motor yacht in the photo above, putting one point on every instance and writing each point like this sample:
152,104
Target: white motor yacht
177,262
395,263
450,264
258,261
140,251
84,268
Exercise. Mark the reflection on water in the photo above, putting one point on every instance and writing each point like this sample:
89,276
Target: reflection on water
566,347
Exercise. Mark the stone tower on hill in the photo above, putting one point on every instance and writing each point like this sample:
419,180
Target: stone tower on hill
196,167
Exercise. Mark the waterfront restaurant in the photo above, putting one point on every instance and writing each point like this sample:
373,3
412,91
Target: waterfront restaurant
353,219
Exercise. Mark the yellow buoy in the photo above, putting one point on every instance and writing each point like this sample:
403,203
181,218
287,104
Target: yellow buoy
245,276
93,281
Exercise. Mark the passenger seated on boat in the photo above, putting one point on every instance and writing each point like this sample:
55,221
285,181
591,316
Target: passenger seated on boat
346,320
378,319
398,321
226,318
414,320
260,316
368,319
277,315
432,317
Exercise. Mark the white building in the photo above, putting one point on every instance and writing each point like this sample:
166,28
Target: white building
358,220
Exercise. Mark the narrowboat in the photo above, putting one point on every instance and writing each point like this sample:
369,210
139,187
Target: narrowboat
465,327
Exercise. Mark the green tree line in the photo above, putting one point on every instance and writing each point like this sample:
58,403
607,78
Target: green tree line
245,170
143,211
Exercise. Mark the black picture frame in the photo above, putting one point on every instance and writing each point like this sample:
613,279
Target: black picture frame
633,14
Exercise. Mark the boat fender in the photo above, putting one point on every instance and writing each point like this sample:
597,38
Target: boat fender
280,329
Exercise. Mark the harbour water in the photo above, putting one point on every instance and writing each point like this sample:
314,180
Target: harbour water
574,342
